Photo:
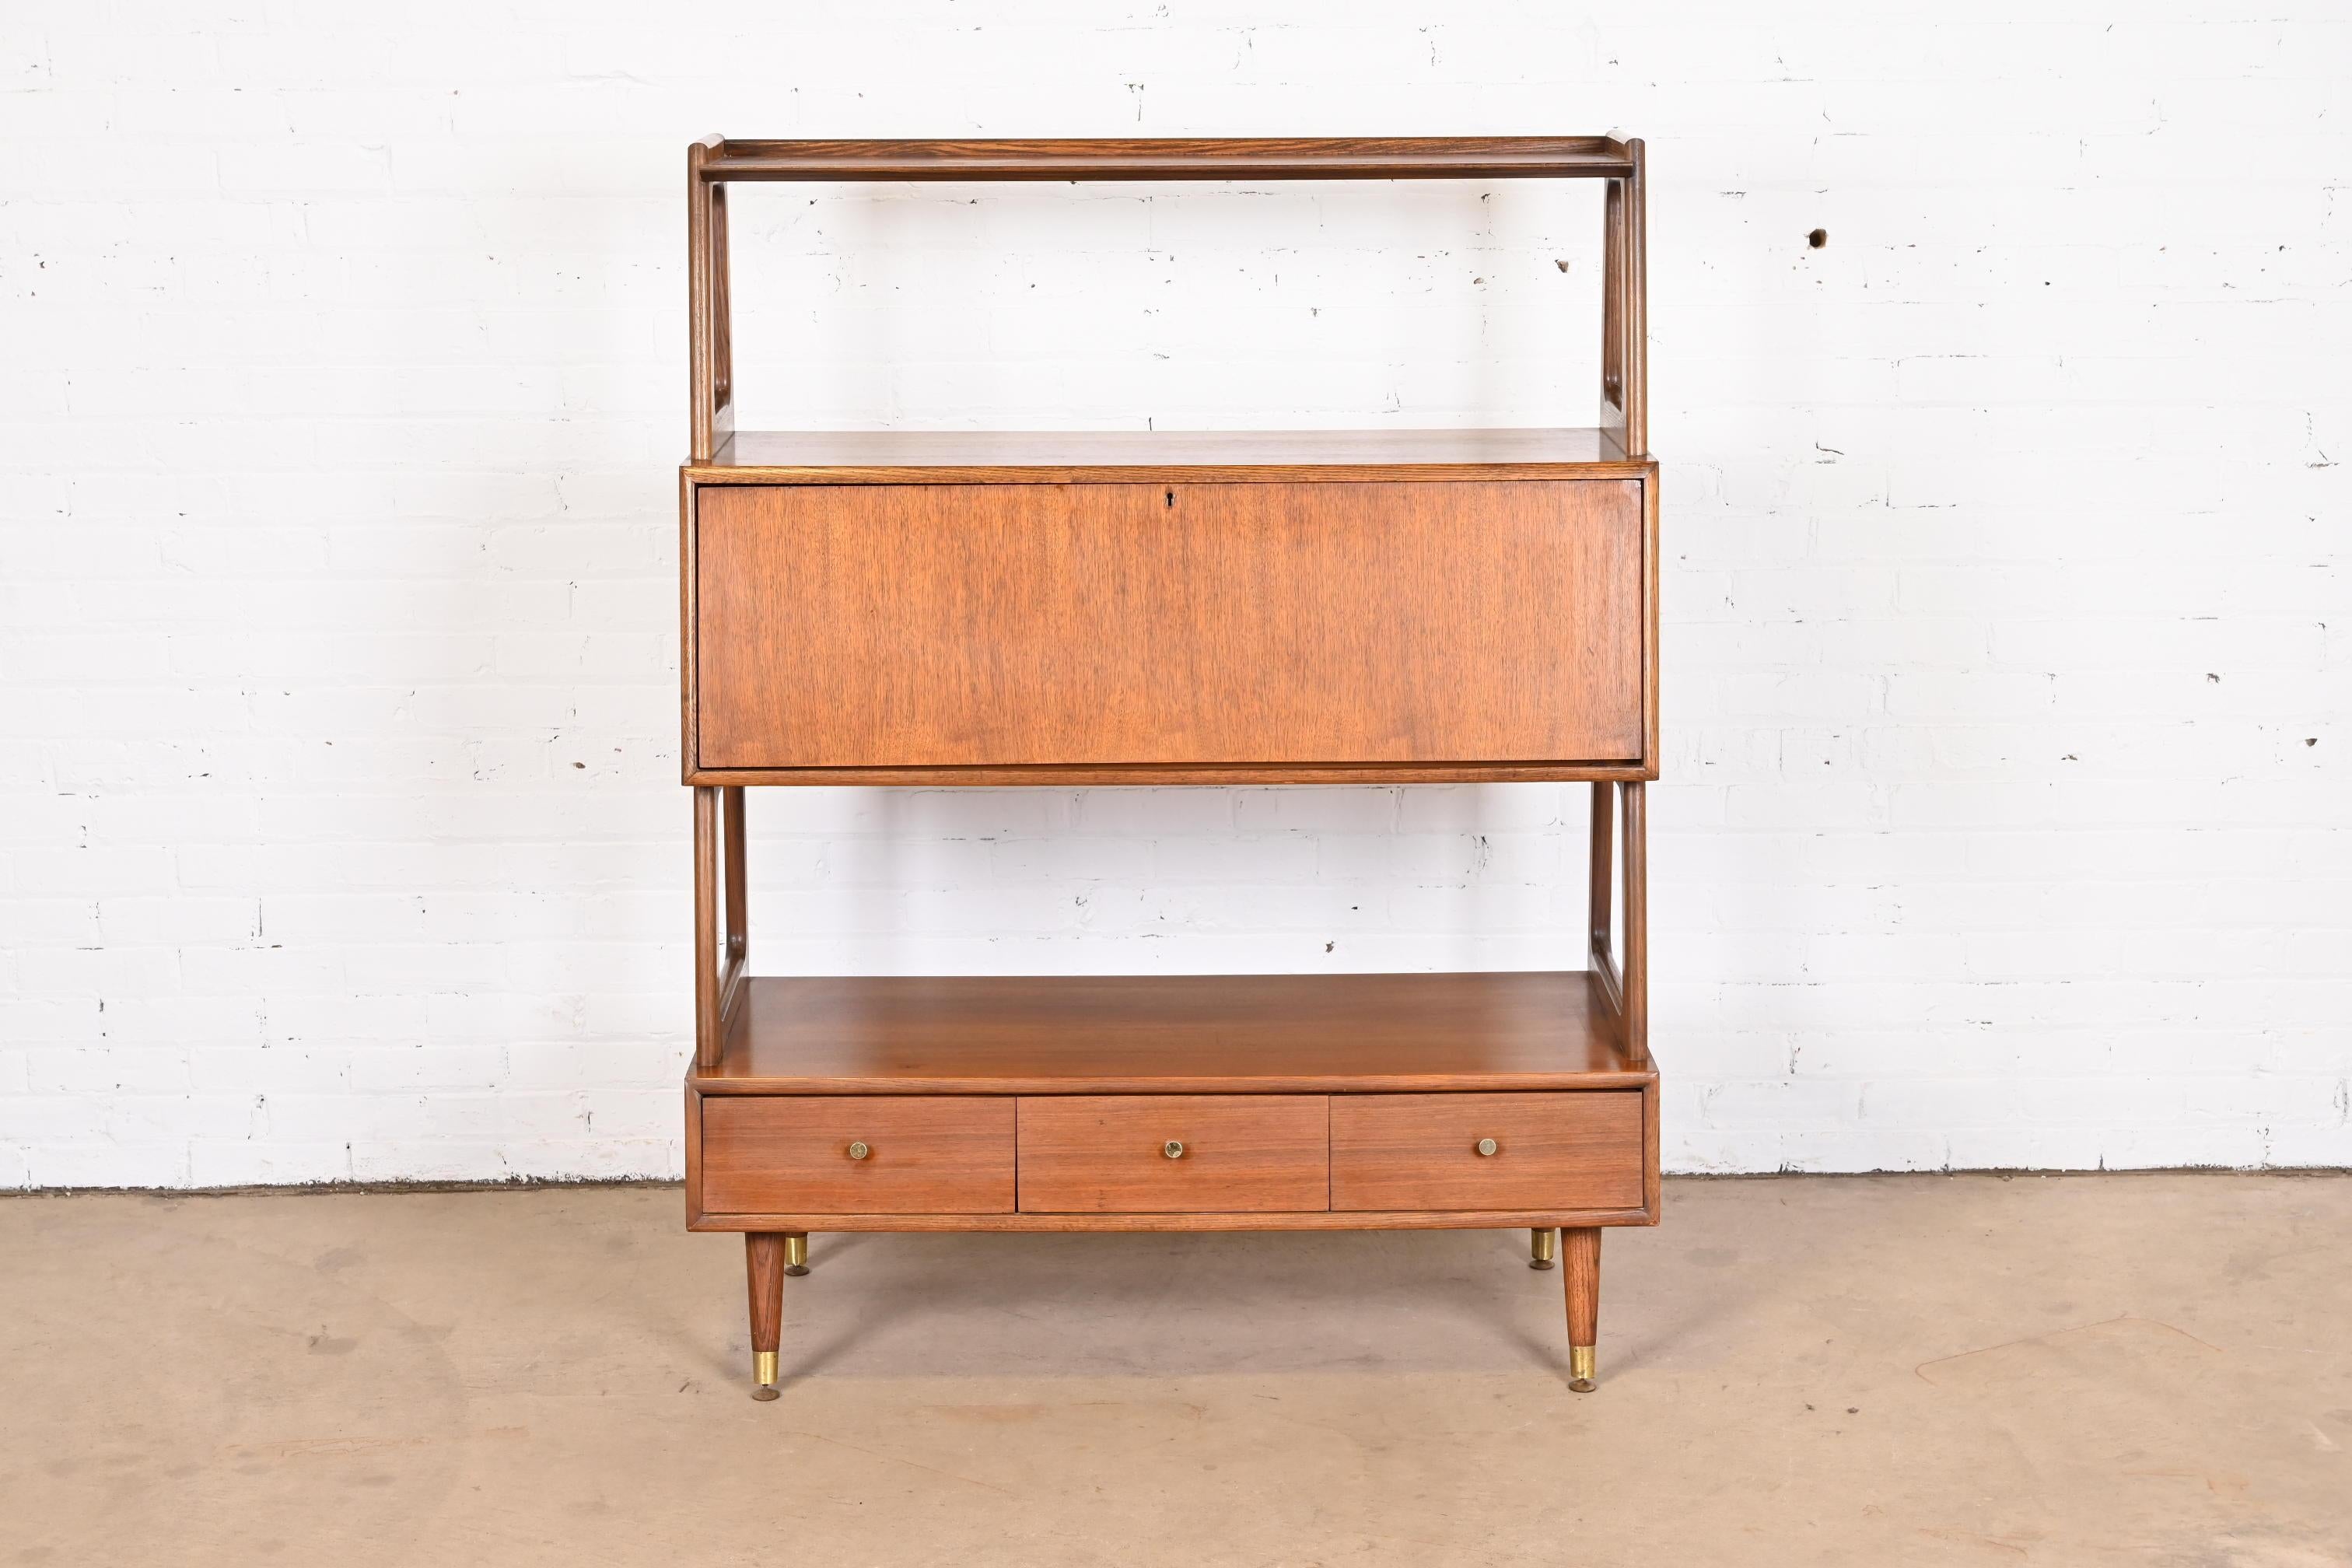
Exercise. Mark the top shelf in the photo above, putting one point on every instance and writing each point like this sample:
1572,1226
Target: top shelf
1187,158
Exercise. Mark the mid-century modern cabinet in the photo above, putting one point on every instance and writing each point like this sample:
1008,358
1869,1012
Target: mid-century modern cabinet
1394,606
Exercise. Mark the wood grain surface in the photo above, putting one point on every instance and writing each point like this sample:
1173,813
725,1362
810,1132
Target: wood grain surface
764,1274
1172,158
1579,1258
1108,1153
940,1155
915,626
1204,1220
1551,1151
1162,1033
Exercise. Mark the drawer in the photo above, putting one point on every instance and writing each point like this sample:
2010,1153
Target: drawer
1570,1151
1237,1153
1193,623
791,1154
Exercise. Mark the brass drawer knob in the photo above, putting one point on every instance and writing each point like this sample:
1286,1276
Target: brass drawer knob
858,1151
1487,1145
1173,1148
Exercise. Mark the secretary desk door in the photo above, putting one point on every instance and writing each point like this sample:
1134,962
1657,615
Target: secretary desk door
1336,622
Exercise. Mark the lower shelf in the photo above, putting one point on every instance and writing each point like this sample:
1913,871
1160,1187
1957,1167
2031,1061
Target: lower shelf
1274,1102
1193,1034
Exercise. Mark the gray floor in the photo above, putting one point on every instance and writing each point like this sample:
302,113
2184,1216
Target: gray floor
1876,1370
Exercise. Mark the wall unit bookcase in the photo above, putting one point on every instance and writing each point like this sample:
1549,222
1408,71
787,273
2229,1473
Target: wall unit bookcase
1393,606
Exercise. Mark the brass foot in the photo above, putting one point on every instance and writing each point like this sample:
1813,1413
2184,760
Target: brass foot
796,1255
1540,1244
1579,1369
764,1375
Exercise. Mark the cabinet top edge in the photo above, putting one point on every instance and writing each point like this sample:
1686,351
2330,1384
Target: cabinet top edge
891,457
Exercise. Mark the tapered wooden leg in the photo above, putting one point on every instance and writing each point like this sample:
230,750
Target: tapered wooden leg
1539,1247
1581,1250
763,1267
795,1253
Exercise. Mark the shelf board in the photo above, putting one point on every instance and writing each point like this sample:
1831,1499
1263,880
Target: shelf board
1110,456
1158,1034
1172,158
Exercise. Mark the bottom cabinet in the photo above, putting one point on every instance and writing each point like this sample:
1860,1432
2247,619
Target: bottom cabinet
1469,1152
1174,1153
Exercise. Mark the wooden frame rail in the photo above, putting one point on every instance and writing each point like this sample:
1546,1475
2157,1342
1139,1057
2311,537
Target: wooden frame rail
1625,990
714,162
722,958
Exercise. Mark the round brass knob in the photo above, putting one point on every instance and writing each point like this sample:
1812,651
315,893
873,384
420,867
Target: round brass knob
1485,1145
859,1151
1173,1148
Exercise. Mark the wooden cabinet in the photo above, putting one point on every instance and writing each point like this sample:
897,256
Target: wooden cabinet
1396,606
1176,623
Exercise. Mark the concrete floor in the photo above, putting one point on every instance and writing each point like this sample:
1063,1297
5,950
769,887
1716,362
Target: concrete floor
1870,1371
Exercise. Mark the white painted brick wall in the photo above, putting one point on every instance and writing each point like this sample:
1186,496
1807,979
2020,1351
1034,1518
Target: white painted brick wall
2009,653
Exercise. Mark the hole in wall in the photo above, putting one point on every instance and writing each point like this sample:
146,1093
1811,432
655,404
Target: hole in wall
1818,238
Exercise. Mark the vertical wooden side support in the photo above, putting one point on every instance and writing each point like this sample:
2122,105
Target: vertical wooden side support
738,904
722,952
1602,875
709,1030
763,1270
1635,974
1624,310
1636,308
710,341
1612,309
1580,1251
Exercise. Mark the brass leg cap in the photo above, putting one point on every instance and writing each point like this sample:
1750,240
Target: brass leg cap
1540,1245
796,1255
1579,1369
764,1375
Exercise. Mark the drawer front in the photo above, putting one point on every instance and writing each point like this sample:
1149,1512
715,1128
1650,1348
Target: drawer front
1108,1153
791,1154
946,625
1570,1151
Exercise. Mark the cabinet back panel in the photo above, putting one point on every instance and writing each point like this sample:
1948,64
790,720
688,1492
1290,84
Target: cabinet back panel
922,625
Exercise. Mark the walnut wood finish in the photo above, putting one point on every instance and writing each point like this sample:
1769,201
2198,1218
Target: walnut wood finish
763,1267
1624,992
1579,1258
721,958
1386,606
1173,1221
709,327
1087,776
1235,1154
1624,296
1170,1034
1409,623
1190,158
1421,1151
933,1155
1634,982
